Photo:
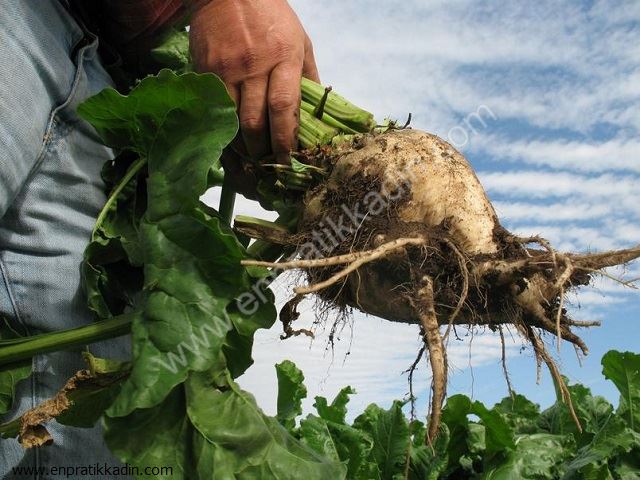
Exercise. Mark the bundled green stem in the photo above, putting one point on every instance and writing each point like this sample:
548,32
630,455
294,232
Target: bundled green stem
326,118
337,108
314,132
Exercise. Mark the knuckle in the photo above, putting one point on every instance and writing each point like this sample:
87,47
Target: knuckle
282,100
281,49
252,124
222,65
250,60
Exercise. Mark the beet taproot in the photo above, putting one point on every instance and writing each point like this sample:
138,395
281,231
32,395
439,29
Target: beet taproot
402,229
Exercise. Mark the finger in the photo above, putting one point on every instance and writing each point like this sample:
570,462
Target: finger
237,144
234,93
254,117
310,69
284,108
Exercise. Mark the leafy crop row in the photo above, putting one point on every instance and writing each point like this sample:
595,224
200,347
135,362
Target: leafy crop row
512,440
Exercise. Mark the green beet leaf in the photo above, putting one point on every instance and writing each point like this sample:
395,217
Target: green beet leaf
111,269
132,122
389,430
158,436
623,369
593,413
427,462
467,443
498,434
247,444
612,440
337,411
455,417
352,446
329,435
627,465
315,433
536,456
519,412
291,392
173,51
192,271
238,345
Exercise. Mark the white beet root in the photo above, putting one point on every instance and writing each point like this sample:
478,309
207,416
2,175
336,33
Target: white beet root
433,252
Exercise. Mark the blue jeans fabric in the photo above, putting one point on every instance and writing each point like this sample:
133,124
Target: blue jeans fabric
50,195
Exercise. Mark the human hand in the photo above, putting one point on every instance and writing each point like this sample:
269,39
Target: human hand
261,51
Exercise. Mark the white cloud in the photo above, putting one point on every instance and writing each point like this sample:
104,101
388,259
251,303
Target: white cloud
572,238
553,213
543,185
605,285
589,298
553,64
615,154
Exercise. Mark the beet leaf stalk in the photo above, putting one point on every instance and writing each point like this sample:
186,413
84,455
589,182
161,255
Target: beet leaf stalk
23,348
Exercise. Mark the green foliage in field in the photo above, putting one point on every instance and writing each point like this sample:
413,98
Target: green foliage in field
511,440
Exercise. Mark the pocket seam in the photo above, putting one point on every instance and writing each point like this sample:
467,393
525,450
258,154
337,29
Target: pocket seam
50,137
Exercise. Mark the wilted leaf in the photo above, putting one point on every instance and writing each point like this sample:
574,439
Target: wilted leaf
80,403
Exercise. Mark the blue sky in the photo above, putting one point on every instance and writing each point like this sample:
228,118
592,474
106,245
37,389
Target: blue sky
559,154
